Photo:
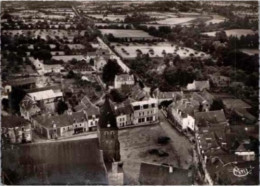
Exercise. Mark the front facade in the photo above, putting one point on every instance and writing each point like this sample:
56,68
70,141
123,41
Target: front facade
198,85
145,112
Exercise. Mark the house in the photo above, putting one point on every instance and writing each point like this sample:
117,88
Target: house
156,174
108,133
135,92
44,100
123,79
181,113
42,68
166,96
81,162
6,89
67,124
92,111
145,112
219,80
16,129
198,85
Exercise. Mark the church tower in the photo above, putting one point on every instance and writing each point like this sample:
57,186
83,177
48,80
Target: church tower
108,133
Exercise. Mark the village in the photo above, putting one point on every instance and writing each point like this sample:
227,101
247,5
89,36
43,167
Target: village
129,93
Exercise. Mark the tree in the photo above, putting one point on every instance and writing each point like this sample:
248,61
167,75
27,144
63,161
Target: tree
61,107
110,70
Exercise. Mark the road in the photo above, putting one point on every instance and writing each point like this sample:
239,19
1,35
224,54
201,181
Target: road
181,145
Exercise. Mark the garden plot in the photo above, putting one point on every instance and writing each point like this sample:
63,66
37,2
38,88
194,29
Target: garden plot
233,32
126,33
110,17
159,50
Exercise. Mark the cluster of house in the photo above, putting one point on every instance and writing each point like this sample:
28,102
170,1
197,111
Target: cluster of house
225,134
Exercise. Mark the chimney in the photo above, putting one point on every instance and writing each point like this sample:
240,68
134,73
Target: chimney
69,111
170,169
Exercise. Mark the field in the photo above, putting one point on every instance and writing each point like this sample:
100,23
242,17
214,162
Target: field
175,21
110,17
216,19
233,32
130,51
134,146
125,33
250,51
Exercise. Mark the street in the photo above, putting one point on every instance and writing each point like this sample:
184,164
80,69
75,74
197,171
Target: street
181,145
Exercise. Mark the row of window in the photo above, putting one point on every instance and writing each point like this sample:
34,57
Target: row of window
146,106
148,113
141,120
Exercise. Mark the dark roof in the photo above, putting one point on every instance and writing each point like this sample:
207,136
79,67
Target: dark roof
88,106
107,115
153,174
123,108
212,117
22,81
69,162
13,121
61,120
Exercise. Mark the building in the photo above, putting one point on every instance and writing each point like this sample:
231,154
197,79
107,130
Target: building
80,161
166,96
181,113
67,124
108,133
123,79
155,174
44,100
145,112
42,68
198,85
16,129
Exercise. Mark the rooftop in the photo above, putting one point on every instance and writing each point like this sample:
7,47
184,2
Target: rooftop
212,117
77,162
155,174
45,94
124,78
13,121
231,103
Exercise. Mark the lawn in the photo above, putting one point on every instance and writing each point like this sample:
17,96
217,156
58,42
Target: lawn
110,17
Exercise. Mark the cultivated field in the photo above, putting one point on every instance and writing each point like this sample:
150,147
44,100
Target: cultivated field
125,33
110,17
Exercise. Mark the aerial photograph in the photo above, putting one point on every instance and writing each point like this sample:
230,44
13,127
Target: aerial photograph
129,92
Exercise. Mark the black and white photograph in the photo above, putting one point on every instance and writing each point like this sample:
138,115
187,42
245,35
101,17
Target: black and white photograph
129,93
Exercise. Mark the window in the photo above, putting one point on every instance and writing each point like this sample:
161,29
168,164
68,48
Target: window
146,106
153,105
137,107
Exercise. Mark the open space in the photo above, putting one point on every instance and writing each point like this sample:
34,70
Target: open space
125,33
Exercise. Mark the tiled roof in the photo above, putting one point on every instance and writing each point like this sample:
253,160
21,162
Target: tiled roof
88,106
154,174
13,121
61,120
235,103
76,162
123,108
21,81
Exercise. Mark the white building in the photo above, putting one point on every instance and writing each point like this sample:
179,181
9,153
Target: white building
198,85
123,79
